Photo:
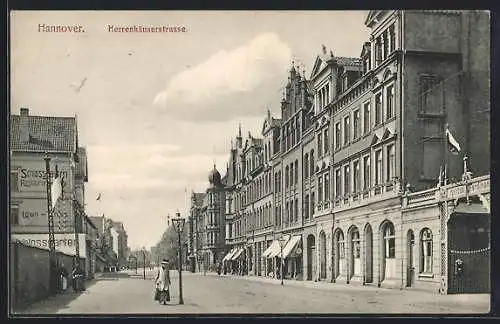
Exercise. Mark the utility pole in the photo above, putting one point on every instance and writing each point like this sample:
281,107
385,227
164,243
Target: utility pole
50,217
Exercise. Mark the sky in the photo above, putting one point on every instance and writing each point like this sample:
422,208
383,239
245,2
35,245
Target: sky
157,110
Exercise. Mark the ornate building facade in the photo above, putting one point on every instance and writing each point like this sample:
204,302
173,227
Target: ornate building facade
347,175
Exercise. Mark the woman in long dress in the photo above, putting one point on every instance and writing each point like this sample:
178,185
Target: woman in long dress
163,283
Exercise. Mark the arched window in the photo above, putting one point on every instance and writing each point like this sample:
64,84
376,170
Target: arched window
355,253
291,175
390,241
389,253
340,252
287,173
426,251
311,163
306,166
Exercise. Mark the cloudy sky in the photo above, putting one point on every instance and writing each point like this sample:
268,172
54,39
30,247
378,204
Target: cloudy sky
155,110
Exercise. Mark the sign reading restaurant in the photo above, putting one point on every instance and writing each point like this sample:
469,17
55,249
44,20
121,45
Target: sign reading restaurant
36,178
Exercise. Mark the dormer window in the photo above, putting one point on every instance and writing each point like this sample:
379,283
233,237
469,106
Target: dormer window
345,81
323,97
366,64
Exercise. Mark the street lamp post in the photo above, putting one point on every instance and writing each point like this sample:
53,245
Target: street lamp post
282,243
144,263
178,223
50,218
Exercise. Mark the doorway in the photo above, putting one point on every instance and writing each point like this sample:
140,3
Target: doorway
368,254
410,267
469,252
311,245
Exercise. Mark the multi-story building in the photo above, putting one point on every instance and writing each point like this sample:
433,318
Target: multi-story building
195,228
389,134
33,138
208,228
356,156
121,243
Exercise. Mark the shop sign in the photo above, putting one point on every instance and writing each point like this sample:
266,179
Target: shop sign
65,243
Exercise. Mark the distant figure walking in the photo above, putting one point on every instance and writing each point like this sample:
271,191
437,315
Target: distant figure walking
162,293
64,277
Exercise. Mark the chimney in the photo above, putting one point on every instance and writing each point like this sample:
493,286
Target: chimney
24,125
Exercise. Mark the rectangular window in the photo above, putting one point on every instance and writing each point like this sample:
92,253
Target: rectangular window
337,136
347,130
296,211
320,145
327,187
320,189
357,124
366,172
389,102
391,162
378,51
378,108
306,207
338,184
366,118
313,203
14,215
326,140
392,38
378,167
347,180
431,95
355,184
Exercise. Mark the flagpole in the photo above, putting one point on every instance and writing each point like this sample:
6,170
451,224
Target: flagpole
446,154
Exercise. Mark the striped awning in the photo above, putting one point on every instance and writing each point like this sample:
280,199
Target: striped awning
237,254
290,246
275,245
276,252
229,254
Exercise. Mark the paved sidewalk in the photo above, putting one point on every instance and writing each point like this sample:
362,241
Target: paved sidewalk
326,285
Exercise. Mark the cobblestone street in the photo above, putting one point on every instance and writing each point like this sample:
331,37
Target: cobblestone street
130,293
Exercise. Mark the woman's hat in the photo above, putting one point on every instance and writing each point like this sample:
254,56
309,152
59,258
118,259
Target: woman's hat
164,261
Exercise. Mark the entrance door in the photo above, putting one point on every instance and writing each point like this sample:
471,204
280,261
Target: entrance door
469,253
410,268
368,254
310,255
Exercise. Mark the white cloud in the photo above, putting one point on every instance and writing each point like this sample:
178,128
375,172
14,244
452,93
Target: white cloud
228,72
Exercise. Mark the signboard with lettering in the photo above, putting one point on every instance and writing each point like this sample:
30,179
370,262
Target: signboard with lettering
33,212
31,175
65,243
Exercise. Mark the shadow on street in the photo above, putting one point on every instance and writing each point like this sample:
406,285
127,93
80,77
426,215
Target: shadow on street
60,301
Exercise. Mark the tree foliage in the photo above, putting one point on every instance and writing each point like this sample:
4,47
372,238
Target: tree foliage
167,247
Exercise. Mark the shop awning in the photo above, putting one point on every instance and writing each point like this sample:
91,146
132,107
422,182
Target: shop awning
290,246
275,246
276,250
229,254
237,254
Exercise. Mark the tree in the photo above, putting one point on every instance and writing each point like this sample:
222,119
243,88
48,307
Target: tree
167,247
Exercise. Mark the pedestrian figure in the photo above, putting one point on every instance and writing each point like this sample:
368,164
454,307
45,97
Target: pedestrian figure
63,273
77,279
218,268
162,293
